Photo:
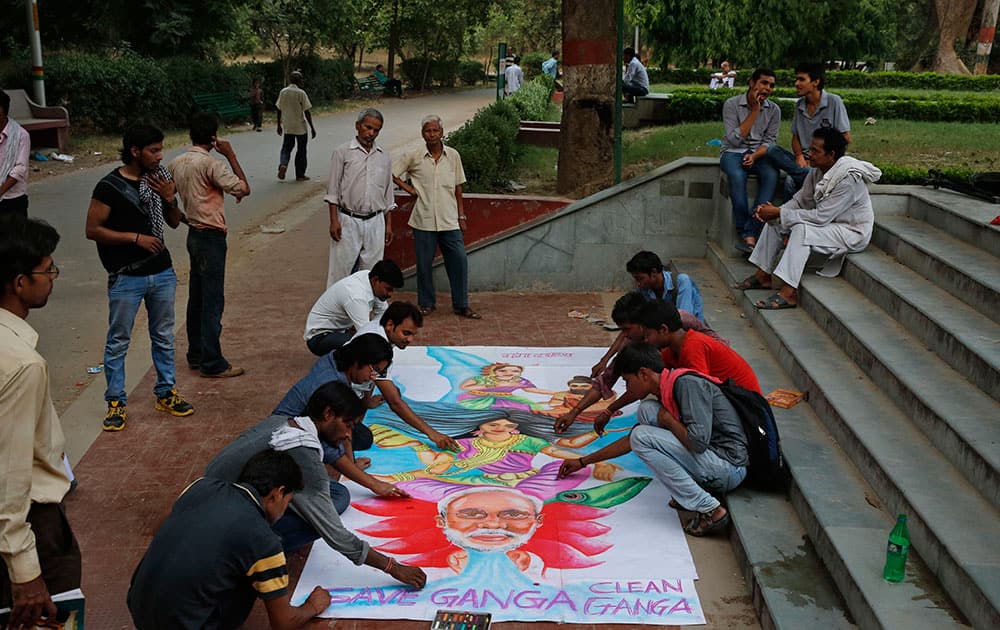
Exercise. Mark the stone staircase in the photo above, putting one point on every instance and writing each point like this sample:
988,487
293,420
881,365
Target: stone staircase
900,360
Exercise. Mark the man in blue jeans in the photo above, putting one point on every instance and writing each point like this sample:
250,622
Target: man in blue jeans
691,438
438,218
751,122
202,184
127,212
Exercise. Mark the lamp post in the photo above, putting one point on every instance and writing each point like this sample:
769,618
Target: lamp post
37,72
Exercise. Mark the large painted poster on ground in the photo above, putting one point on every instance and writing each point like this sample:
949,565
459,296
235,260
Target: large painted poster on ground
492,525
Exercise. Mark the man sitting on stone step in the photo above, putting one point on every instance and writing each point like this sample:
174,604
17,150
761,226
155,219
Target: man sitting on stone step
691,438
831,214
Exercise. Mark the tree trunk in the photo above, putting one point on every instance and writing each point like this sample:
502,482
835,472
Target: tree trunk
586,138
390,65
987,32
954,18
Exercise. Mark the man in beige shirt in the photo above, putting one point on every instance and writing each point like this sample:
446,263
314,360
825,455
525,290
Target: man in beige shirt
438,219
39,551
202,182
293,114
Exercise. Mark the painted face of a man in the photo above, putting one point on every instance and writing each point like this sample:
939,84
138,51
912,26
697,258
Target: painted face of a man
494,520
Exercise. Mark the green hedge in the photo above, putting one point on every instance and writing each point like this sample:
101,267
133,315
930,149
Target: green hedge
488,142
842,79
910,176
443,73
531,64
703,105
109,92
471,72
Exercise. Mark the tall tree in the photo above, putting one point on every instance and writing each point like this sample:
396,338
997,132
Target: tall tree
954,19
586,135
293,28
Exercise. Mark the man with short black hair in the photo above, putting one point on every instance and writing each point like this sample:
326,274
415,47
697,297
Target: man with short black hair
345,307
360,196
202,184
831,214
39,553
15,148
127,212
331,412
815,109
751,124
551,65
691,437
216,553
635,81
653,282
399,326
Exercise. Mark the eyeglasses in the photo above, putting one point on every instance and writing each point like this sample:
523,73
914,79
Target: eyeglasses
377,372
51,271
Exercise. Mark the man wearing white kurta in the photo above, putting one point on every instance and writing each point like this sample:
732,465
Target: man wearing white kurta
359,193
831,214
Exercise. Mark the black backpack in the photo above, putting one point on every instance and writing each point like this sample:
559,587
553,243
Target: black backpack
767,465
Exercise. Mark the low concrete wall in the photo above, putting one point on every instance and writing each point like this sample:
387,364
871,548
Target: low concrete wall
584,246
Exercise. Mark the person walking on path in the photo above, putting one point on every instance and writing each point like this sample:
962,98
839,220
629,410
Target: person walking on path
257,105
293,115
202,182
128,209
360,195
40,554
15,146
438,218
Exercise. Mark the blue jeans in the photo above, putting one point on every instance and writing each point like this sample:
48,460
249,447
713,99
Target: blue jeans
784,160
300,142
731,164
689,477
456,265
295,532
206,300
125,294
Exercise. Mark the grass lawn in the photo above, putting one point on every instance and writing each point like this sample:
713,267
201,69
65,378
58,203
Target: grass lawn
896,142
789,90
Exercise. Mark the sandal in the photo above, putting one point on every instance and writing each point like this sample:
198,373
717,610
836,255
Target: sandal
702,524
774,303
750,282
744,248
426,310
468,313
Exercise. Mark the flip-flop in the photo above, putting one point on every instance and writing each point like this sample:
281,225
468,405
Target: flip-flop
774,303
467,313
744,248
750,282
703,525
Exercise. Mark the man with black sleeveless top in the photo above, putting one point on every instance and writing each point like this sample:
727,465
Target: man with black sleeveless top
127,212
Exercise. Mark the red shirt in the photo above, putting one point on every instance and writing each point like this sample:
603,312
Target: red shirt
712,357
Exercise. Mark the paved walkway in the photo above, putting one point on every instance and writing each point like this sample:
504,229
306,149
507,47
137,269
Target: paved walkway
73,326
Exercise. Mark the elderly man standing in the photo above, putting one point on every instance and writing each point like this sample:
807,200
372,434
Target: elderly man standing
202,184
15,145
438,219
359,192
831,214
293,113
40,554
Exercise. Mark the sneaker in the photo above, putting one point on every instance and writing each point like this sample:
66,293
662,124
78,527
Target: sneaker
174,404
281,171
229,372
115,419
304,178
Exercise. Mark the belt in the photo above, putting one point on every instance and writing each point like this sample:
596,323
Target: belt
356,215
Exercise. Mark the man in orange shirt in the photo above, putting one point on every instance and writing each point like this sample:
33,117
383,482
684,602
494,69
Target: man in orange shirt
202,183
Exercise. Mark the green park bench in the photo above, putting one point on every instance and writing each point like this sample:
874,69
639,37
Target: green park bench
227,105
369,86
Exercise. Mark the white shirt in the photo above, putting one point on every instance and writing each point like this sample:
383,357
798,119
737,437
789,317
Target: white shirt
375,326
349,303
513,78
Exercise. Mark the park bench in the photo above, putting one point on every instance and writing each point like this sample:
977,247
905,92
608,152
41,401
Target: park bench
226,105
538,133
369,86
47,126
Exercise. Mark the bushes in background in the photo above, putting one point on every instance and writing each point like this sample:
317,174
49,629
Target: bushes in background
531,64
109,92
532,100
439,72
842,79
471,72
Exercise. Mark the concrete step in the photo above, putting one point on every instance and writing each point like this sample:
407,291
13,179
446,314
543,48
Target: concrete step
958,418
966,218
953,527
966,339
969,273
789,585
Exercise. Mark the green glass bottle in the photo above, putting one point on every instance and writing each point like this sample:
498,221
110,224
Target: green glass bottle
895,555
